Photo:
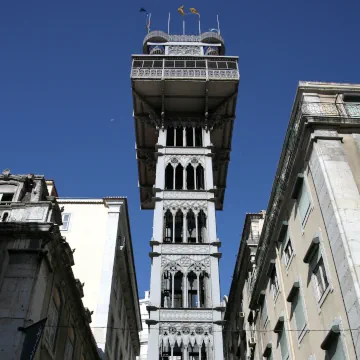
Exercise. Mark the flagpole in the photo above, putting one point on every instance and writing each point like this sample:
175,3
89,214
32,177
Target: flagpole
183,26
169,24
199,26
217,16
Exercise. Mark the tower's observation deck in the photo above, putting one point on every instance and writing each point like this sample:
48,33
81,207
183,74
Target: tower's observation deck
183,80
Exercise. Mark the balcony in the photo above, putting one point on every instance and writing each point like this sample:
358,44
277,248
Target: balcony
202,68
26,212
331,110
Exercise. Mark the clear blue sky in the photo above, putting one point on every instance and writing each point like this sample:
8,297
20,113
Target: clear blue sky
65,73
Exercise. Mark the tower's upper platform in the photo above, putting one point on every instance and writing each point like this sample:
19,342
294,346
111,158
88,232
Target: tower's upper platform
206,39
183,80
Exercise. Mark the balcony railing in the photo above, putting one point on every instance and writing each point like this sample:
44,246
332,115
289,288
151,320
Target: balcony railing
150,67
185,38
337,110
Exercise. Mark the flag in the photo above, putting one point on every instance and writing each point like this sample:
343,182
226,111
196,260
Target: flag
143,10
181,10
194,11
148,22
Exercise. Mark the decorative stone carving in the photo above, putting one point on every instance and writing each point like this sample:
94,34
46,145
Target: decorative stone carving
184,50
185,160
185,315
185,205
193,333
184,249
6,173
36,213
187,196
186,263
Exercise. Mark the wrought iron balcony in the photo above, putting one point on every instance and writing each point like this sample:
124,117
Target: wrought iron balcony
215,68
331,110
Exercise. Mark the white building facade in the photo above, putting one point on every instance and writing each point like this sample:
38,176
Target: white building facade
99,231
184,93
144,334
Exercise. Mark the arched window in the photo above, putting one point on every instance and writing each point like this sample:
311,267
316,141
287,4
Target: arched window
168,227
172,289
179,136
169,177
166,289
202,227
170,136
53,319
196,289
198,137
178,290
189,136
200,182
192,293
179,177
191,227
190,181
179,227
197,352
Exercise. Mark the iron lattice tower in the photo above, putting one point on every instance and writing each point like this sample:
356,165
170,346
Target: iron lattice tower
184,94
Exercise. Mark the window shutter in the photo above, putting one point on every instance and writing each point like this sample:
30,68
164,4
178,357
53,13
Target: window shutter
304,203
283,345
299,313
264,314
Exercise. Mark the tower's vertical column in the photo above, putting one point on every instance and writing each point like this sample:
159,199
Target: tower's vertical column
155,276
193,97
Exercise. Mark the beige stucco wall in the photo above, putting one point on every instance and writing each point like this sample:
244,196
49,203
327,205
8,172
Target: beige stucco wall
318,316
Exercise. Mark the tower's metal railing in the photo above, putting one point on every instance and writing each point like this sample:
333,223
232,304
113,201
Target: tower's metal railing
151,67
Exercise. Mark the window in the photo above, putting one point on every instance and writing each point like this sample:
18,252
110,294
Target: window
274,284
336,350
264,314
53,319
288,252
320,279
69,347
66,221
304,204
6,197
297,308
283,345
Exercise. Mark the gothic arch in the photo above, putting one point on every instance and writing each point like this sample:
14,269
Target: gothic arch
169,177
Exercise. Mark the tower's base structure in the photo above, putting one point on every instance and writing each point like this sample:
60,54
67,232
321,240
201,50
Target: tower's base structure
184,92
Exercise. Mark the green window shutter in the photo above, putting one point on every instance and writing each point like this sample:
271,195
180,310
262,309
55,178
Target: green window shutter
283,345
304,203
299,312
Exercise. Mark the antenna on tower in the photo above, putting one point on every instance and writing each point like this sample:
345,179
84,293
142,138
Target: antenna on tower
217,17
169,24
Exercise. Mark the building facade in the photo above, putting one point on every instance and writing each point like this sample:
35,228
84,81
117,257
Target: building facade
99,230
184,94
239,330
36,279
144,334
301,300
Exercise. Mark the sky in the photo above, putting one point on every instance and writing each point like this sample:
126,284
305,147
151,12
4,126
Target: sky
66,105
